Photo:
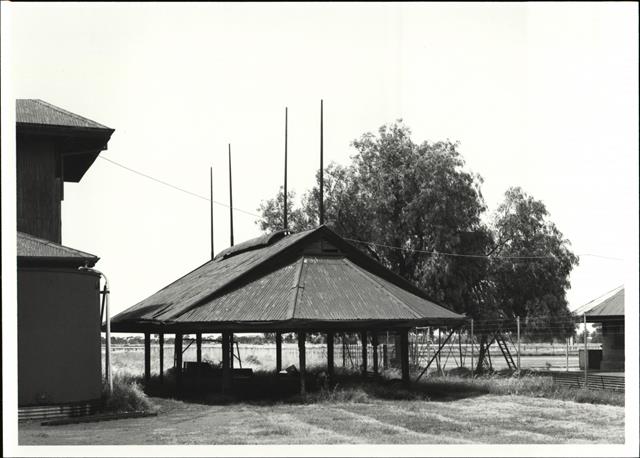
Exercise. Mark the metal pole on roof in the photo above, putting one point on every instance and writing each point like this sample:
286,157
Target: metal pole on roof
286,121
211,205
230,197
321,166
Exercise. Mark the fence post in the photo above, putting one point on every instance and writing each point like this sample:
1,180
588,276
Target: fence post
518,324
472,361
566,353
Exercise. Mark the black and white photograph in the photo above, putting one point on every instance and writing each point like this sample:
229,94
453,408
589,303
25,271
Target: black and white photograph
320,229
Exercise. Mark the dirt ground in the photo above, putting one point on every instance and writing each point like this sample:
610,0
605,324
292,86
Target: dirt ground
484,419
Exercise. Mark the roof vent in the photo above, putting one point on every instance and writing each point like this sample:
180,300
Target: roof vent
252,244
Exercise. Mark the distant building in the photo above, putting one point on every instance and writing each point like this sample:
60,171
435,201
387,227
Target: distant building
58,304
609,311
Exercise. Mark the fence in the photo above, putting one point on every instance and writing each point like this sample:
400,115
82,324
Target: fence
460,349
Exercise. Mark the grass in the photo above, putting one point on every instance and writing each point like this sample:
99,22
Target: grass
525,384
489,418
127,396
265,388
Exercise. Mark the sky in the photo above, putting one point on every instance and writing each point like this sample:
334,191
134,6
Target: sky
542,96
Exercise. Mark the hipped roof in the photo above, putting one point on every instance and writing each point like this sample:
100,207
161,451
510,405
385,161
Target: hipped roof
607,307
77,138
286,282
38,112
32,250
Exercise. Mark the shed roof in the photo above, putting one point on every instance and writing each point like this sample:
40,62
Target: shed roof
35,250
39,112
607,306
311,279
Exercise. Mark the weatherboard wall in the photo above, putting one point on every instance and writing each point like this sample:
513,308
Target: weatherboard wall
58,336
39,188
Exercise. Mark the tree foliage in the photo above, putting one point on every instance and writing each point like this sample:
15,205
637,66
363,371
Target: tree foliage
419,208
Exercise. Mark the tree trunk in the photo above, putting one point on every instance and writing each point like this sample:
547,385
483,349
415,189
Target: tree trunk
484,348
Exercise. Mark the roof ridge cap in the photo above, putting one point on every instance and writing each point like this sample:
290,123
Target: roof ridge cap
240,275
584,308
296,285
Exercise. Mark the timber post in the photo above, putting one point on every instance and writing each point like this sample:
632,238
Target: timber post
178,357
226,368
161,355
586,352
278,352
147,357
199,347
472,361
404,355
302,357
374,346
363,338
330,368
344,350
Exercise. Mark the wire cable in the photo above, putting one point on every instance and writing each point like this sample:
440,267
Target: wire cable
199,196
482,256
411,250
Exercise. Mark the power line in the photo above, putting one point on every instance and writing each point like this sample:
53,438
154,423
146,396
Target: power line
482,256
157,180
411,250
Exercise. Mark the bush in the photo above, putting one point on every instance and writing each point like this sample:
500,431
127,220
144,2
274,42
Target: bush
127,396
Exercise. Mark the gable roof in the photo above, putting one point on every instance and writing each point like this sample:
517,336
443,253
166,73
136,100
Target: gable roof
610,305
34,250
288,281
38,112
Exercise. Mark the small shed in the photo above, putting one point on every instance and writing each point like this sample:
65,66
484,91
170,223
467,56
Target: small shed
609,311
311,281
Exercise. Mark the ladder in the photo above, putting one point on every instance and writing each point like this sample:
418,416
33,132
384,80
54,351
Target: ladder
502,344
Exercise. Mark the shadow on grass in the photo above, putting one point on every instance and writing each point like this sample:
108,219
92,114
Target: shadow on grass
268,388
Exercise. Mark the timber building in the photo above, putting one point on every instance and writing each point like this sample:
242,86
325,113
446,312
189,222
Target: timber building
608,310
59,369
311,281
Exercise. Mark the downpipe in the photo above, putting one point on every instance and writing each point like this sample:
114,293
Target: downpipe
107,355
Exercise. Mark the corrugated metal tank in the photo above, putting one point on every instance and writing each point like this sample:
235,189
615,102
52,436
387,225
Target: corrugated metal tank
59,358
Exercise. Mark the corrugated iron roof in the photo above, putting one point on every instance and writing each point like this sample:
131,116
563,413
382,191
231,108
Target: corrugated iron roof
608,305
286,281
252,244
39,112
201,283
30,247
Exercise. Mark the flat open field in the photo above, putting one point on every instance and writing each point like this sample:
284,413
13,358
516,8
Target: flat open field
130,359
488,418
